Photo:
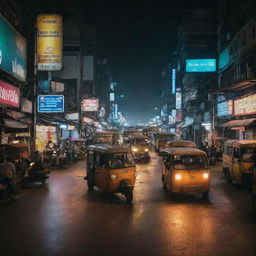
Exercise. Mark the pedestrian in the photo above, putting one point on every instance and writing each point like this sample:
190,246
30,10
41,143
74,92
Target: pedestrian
8,173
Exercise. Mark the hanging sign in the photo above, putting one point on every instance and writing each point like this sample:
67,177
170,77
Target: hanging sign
50,103
9,95
49,42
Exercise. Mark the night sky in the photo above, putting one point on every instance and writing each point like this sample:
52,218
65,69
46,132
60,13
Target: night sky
138,39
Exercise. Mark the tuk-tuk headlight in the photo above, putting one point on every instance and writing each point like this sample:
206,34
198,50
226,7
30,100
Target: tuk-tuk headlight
178,176
146,149
135,150
206,175
113,176
32,164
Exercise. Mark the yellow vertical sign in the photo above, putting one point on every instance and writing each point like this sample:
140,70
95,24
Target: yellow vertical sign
49,42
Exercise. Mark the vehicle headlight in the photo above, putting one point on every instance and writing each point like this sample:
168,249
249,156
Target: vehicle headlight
113,176
32,164
178,176
206,175
135,150
146,149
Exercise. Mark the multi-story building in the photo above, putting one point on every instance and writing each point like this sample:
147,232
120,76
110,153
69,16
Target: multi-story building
236,98
196,71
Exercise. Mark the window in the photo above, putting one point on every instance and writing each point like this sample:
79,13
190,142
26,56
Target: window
120,160
230,150
189,162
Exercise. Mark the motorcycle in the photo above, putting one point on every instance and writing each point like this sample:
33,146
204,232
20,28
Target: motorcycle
36,173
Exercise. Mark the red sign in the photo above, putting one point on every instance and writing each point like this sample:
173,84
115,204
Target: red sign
9,95
178,115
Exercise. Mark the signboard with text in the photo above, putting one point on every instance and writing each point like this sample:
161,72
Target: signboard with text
50,103
9,95
225,108
49,42
245,105
201,65
90,105
13,51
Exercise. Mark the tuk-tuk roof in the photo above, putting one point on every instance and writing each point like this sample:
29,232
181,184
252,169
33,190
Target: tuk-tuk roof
184,151
180,143
105,133
242,143
105,148
138,136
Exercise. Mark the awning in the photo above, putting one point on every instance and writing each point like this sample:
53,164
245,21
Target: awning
15,124
236,87
237,123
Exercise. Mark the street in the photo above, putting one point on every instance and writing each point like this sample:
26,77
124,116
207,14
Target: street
62,218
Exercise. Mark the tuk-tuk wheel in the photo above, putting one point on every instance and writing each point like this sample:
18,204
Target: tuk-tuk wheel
129,195
227,176
90,182
205,195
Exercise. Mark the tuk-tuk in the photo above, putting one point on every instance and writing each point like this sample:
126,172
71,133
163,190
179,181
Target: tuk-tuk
112,169
238,161
105,137
18,154
160,140
185,170
140,147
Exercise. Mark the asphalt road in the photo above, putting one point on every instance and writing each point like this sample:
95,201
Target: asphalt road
62,218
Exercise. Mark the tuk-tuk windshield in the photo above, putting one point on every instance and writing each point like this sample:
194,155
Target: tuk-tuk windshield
101,139
189,162
120,160
248,154
165,139
142,142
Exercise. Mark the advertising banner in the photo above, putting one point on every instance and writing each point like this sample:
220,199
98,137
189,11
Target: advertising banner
72,116
13,51
9,95
201,65
50,103
245,105
178,115
49,42
90,105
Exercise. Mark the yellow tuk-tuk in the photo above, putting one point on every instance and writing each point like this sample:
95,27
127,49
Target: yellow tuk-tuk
140,147
112,169
160,140
238,161
185,170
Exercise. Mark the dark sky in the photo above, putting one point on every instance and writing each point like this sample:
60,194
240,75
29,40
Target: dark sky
138,38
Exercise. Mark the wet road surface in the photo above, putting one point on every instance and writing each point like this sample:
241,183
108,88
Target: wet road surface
62,218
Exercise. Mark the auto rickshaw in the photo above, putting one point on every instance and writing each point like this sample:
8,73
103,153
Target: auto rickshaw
185,171
128,133
238,161
140,147
112,169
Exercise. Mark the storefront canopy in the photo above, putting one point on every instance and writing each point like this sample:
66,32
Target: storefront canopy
237,123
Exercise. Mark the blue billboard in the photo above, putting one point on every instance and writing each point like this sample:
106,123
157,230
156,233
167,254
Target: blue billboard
50,103
201,65
13,51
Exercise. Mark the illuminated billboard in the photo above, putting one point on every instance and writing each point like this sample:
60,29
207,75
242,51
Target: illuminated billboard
49,42
9,95
50,103
245,105
13,51
201,65
90,105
